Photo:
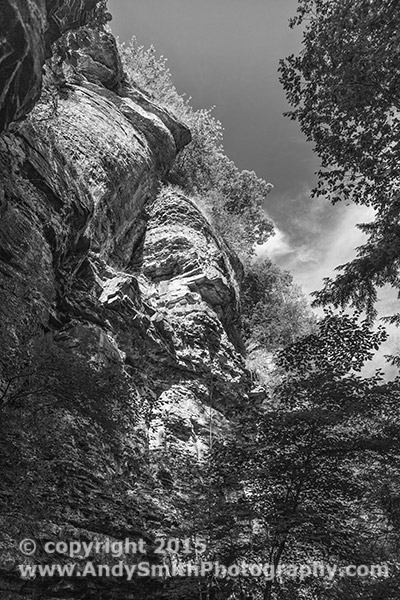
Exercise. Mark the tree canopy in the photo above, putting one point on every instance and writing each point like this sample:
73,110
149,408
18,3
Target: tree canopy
344,90
309,475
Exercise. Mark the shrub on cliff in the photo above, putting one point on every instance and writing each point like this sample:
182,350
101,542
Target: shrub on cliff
235,198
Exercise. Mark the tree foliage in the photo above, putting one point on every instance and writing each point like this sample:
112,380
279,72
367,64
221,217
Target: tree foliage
274,310
344,91
234,199
307,475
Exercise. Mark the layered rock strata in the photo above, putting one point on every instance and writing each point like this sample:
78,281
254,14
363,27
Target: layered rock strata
119,308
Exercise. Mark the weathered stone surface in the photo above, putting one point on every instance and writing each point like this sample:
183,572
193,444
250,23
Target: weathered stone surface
119,309
22,28
64,15
182,250
27,30
180,134
196,293
96,56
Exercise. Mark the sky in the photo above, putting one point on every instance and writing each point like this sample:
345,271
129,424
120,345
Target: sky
225,53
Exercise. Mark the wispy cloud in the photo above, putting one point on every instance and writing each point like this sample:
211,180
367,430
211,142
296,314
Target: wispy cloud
318,238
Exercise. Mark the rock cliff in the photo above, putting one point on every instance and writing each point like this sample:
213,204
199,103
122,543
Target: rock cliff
27,31
119,305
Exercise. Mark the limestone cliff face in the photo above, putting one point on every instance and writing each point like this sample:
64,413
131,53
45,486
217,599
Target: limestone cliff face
119,313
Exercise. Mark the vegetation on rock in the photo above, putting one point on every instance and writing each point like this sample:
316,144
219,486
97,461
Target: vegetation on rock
126,407
234,199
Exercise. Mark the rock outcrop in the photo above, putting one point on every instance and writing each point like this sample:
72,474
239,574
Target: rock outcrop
119,311
27,30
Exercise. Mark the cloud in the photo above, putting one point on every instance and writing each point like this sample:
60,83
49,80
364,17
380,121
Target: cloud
315,237
277,247
333,247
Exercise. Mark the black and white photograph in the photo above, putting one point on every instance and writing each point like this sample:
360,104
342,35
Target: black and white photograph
199,300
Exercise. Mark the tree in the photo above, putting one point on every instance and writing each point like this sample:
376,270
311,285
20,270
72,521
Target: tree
307,474
345,93
242,198
234,200
274,310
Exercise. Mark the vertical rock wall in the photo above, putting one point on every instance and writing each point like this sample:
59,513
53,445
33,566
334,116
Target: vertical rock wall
27,30
119,309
